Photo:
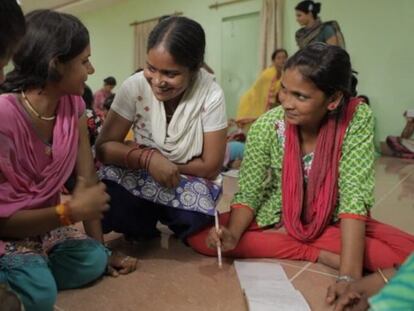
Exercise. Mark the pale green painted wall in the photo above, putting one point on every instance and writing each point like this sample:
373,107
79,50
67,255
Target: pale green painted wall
112,37
239,73
377,32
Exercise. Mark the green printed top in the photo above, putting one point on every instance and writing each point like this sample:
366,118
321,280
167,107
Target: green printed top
261,172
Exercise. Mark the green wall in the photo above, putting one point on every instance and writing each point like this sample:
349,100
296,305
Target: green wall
112,37
377,33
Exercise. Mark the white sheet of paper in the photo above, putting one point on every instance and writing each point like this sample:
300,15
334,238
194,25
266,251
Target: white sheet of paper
260,270
267,287
280,286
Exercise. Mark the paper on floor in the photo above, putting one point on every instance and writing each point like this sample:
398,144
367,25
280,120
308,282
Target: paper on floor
267,287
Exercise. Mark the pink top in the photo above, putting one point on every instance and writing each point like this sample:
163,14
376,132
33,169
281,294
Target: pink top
32,172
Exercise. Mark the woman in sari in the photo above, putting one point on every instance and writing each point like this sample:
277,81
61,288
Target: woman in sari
44,137
307,178
313,29
262,96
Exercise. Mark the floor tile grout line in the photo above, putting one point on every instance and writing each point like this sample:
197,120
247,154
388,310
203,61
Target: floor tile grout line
324,273
291,264
392,190
300,271
311,270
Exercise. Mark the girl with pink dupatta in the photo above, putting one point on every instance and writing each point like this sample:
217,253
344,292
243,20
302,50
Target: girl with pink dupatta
307,179
43,138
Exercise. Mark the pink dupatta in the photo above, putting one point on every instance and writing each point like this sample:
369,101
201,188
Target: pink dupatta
29,178
306,220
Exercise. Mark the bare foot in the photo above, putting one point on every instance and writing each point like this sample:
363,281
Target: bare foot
329,259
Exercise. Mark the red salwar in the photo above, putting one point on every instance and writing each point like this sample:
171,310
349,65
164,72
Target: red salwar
385,246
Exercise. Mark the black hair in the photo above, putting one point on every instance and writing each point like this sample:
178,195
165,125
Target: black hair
108,101
163,17
326,66
12,25
110,81
309,6
183,38
277,51
88,97
50,36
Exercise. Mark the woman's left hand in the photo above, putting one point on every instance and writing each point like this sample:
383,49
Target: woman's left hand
119,263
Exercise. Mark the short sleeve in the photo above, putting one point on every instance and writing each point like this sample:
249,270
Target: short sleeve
125,99
256,163
214,116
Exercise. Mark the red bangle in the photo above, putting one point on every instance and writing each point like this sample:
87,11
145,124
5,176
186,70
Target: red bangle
146,158
128,154
151,153
140,157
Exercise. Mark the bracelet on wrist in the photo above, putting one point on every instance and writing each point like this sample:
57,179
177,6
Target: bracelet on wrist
344,278
63,212
127,155
146,157
382,275
151,153
141,158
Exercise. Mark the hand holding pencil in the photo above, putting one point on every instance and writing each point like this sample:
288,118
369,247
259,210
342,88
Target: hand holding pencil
221,237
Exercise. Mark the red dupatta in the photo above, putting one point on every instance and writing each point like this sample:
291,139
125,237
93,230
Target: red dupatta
305,221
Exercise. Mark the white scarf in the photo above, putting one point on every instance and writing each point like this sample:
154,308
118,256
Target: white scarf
183,139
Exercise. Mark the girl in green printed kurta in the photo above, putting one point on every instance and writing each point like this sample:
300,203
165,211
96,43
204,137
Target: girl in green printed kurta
307,179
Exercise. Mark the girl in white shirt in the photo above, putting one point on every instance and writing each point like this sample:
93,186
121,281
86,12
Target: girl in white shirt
177,112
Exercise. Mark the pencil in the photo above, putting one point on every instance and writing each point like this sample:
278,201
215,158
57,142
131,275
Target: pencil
220,263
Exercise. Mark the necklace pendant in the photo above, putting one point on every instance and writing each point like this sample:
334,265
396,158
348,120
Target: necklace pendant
48,150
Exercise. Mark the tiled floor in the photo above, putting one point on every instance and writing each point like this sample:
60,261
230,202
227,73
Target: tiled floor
173,277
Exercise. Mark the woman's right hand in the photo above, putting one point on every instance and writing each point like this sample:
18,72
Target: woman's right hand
223,238
164,171
88,203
